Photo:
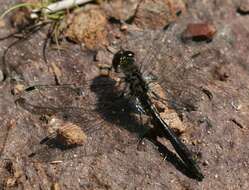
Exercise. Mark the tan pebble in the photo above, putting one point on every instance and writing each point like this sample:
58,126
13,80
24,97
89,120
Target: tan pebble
71,135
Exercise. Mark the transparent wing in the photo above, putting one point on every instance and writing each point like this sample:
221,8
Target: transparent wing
105,117
176,65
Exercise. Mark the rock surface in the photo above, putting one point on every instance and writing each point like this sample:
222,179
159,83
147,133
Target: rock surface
216,118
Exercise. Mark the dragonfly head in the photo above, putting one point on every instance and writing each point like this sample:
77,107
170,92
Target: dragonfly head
123,60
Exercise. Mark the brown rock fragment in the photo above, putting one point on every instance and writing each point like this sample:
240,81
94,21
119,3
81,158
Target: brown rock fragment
88,27
199,32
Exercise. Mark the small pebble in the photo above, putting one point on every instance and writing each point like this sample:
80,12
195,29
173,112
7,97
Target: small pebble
71,135
199,32
67,133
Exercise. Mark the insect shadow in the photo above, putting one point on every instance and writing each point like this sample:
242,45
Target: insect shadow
121,112
116,108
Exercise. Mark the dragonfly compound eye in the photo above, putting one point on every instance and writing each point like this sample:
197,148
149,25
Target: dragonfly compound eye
129,54
122,59
127,58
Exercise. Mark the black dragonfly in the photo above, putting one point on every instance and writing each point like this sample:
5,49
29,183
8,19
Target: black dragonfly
74,102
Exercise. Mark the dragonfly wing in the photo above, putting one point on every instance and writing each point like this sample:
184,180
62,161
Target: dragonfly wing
93,111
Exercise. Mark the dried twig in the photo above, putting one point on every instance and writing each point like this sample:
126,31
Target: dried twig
61,5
